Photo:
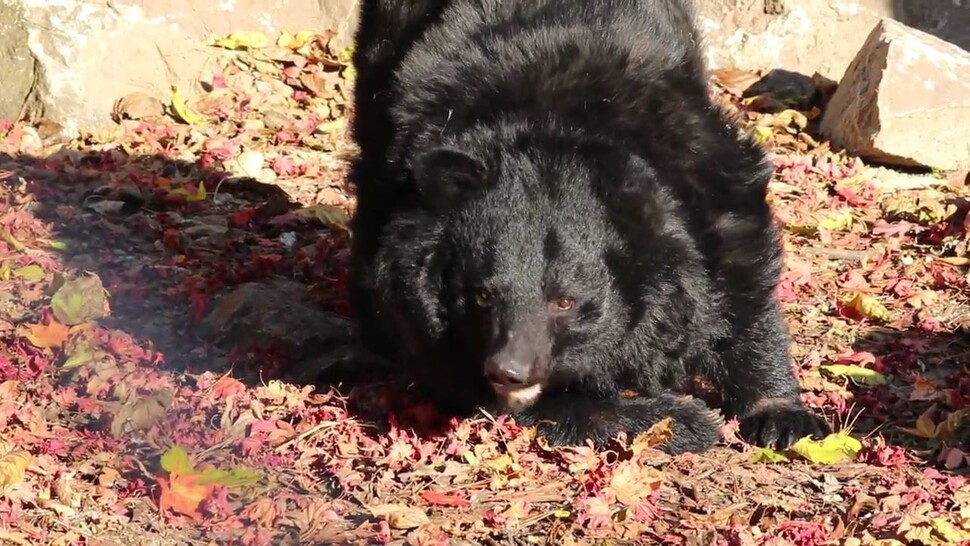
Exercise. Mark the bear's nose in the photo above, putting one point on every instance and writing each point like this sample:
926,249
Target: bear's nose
508,374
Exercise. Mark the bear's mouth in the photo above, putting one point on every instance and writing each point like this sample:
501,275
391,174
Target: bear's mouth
519,397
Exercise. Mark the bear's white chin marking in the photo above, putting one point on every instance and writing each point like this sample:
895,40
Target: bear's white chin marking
519,399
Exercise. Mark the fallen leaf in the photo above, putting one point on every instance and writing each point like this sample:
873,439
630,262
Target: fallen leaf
240,40
47,336
948,531
176,461
295,41
867,306
331,216
182,111
8,238
137,106
199,194
79,352
13,467
631,482
237,477
436,498
80,300
835,447
30,273
658,434
840,221
858,374
408,518
321,84
768,455
183,494
140,413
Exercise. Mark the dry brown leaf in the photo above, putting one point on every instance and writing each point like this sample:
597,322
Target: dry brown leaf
321,84
137,106
140,413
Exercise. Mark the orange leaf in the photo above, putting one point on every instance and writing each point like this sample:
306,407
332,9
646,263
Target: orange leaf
183,494
47,336
442,499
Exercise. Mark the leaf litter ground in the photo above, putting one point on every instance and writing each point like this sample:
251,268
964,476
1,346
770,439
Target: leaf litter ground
121,422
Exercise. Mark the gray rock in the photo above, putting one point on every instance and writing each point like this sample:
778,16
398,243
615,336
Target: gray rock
811,36
69,61
904,101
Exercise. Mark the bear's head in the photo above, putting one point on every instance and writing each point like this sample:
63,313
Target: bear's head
553,251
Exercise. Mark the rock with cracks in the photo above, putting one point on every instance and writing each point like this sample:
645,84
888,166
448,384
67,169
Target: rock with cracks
70,61
904,101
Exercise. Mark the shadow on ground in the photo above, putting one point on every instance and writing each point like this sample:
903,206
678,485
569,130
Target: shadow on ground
945,19
240,281
937,366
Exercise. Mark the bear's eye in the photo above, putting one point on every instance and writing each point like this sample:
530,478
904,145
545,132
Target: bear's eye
483,297
564,304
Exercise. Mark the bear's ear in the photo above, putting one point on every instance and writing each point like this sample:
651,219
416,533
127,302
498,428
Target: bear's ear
446,177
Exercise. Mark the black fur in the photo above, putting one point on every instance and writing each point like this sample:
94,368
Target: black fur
516,153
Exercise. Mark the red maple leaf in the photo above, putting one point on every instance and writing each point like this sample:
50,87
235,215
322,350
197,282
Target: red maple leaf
436,498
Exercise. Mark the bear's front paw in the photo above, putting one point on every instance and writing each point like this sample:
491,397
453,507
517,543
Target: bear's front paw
780,424
571,421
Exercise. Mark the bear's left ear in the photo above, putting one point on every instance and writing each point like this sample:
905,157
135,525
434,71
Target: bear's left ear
446,177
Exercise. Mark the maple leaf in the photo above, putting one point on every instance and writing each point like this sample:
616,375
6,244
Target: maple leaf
632,483
768,455
835,447
436,498
47,336
858,374
183,494
13,466
860,306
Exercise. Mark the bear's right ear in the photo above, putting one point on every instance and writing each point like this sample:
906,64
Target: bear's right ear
447,177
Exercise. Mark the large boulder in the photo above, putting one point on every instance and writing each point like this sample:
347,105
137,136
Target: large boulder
69,61
904,101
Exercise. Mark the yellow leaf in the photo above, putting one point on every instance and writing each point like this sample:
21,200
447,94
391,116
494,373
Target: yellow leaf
867,306
346,55
30,273
294,42
562,514
333,217
240,40
948,531
768,455
660,433
183,111
833,448
199,195
761,134
837,222
500,463
13,466
470,458
858,374
8,238
5,271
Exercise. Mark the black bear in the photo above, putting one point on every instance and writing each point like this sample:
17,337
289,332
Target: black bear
551,211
